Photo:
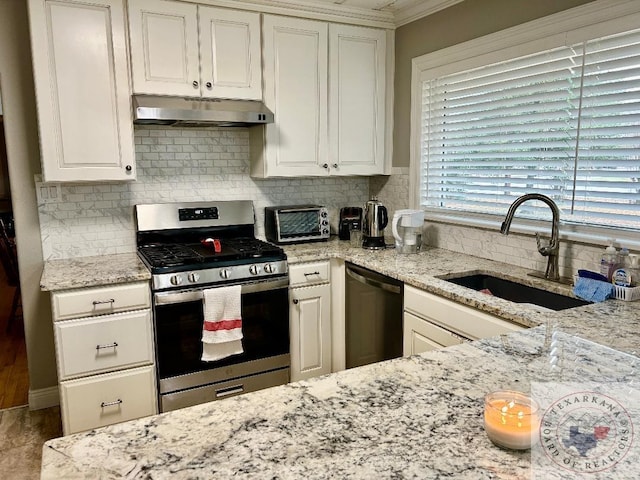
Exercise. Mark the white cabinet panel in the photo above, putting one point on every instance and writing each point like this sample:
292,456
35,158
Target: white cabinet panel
106,399
164,47
230,54
194,50
295,79
308,273
82,90
101,344
465,321
357,59
310,330
422,336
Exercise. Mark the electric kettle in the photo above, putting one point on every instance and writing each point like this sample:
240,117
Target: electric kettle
375,219
407,230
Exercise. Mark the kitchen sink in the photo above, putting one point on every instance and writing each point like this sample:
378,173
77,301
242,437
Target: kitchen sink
516,292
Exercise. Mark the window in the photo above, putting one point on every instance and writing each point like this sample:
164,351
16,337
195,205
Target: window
562,121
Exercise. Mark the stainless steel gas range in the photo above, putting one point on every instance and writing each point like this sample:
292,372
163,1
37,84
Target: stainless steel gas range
192,247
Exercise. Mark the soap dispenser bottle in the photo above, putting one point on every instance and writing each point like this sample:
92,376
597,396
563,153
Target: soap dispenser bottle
609,260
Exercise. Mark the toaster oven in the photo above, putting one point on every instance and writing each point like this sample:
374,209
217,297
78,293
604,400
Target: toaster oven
296,223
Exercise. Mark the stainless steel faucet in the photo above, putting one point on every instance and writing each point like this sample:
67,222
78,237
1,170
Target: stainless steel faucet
549,250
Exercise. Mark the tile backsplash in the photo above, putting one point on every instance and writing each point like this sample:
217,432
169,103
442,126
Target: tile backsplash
175,165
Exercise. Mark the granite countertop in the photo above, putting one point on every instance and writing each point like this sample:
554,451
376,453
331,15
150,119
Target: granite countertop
95,271
416,417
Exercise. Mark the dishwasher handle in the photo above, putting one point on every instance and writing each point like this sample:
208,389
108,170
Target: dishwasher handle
373,282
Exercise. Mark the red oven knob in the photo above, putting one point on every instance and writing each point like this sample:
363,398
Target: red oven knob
224,273
175,280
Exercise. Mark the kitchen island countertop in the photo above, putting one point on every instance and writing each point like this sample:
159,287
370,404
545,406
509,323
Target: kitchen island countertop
416,417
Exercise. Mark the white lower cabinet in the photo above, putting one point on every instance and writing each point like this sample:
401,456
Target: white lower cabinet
310,320
101,400
432,322
105,359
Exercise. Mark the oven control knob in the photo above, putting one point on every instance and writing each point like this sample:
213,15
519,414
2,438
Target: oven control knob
175,280
225,273
268,268
253,269
193,277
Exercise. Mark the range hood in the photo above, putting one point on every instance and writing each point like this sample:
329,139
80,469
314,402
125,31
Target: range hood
196,112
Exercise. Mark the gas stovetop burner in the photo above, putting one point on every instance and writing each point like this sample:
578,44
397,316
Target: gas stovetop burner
205,243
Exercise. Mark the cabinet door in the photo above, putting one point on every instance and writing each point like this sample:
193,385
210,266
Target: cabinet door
82,90
310,330
422,336
357,72
164,47
295,79
230,53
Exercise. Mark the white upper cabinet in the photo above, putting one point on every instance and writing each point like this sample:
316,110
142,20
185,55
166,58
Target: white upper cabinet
326,84
192,50
357,72
295,89
82,90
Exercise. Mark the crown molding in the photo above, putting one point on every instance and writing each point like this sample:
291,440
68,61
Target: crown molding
313,10
407,11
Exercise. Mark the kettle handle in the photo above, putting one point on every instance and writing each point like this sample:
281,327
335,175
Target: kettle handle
384,219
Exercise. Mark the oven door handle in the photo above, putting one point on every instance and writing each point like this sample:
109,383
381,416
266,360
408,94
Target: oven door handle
168,298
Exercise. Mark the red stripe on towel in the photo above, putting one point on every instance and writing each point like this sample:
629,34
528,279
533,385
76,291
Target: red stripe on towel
222,325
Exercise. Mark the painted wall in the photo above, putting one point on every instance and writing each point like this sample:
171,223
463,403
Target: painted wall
459,23
16,84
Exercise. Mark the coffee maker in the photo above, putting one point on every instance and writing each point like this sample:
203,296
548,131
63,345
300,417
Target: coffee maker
350,219
407,230
375,219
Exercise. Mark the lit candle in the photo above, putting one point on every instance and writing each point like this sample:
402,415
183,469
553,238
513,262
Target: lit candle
511,419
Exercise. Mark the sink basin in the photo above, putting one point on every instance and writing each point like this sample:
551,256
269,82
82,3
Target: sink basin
517,292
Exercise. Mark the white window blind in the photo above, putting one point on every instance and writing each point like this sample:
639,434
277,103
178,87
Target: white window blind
563,122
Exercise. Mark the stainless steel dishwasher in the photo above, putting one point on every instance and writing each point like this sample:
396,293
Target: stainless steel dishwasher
373,317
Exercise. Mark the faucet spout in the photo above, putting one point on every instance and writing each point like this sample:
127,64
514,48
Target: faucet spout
550,249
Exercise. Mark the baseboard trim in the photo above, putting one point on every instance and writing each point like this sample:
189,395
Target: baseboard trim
44,398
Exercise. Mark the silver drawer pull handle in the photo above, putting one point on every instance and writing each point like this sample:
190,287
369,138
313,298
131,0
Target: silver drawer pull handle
111,345
225,392
110,404
100,302
312,273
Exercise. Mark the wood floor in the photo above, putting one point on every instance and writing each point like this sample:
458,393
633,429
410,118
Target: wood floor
22,435
14,376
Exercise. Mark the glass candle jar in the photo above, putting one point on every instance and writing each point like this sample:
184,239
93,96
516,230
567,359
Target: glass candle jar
511,419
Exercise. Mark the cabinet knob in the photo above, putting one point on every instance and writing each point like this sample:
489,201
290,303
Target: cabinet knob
209,85
325,165
128,168
295,301
335,165
195,84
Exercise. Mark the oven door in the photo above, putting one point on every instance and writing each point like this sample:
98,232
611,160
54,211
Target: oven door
178,319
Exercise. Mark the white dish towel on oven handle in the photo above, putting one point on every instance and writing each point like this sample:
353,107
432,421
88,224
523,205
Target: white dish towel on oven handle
222,326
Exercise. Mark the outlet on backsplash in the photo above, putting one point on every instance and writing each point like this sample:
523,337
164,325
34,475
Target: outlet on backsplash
47,192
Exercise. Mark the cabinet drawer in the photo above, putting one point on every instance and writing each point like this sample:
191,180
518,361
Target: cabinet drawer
101,344
100,300
106,399
308,273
